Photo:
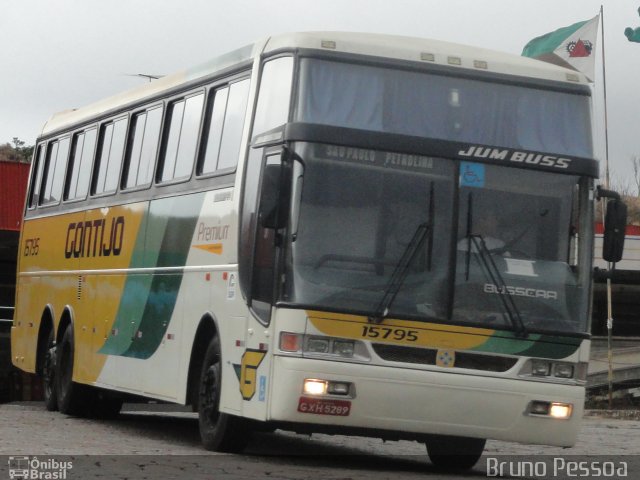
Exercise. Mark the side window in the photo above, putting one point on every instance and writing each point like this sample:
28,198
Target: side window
180,138
109,156
224,121
80,162
36,180
55,165
275,94
143,146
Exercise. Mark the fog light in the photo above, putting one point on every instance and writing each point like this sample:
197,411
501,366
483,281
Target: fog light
315,387
560,410
290,342
540,368
338,388
539,408
563,370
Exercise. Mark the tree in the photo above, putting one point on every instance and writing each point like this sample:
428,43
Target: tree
24,151
18,152
635,164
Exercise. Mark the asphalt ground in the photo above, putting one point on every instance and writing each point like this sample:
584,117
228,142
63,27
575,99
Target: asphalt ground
149,442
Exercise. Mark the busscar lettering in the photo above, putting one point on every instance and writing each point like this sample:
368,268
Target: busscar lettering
529,158
102,237
520,291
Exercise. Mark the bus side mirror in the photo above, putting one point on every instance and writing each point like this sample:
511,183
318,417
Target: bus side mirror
270,215
615,223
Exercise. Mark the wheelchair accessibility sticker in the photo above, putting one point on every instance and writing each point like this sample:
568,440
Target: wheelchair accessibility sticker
471,174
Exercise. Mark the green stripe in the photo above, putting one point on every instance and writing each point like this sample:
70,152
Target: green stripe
548,43
535,345
148,301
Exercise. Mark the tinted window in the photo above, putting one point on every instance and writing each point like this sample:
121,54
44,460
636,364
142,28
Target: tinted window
34,194
57,153
80,164
144,134
110,150
215,118
181,137
275,94
223,131
437,106
233,124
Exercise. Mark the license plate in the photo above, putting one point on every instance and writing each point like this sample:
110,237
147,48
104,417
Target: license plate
324,406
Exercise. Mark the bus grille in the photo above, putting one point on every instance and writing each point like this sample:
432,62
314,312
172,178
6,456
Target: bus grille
427,356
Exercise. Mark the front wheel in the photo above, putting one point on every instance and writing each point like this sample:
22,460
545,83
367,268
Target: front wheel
455,453
219,431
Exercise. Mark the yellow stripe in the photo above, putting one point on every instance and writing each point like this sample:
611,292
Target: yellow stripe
402,332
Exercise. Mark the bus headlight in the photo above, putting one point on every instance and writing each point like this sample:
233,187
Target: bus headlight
344,348
540,368
333,346
536,367
563,370
319,345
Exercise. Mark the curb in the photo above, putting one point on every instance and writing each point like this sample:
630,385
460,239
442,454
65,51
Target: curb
614,414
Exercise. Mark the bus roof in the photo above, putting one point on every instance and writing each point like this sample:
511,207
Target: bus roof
375,45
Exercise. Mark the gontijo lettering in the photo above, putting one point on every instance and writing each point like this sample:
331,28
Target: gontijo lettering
95,238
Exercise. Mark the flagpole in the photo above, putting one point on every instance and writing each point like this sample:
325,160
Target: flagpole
607,186
606,117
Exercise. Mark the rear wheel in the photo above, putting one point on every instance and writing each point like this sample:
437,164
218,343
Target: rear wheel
219,431
70,395
48,374
455,453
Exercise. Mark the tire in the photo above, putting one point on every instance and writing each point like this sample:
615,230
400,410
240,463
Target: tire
455,453
219,431
69,395
49,374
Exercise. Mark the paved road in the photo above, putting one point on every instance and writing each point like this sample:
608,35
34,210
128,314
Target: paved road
157,445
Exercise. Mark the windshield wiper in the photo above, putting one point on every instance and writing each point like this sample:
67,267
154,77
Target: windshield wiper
401,270
506,298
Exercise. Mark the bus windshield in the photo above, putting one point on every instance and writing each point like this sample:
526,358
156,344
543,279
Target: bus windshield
443,107
358,211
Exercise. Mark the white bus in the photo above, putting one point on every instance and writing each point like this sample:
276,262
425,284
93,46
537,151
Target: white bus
322,232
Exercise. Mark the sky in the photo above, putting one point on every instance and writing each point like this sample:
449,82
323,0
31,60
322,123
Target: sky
62,54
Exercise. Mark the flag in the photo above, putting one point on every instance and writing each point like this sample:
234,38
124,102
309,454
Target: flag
633,34
573,47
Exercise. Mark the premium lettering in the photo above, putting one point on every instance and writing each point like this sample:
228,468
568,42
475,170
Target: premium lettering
207,233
